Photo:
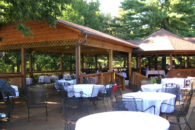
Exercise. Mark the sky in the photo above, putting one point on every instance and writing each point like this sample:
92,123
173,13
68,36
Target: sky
110,6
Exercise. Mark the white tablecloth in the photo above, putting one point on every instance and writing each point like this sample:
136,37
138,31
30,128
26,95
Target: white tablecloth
16,90
66,76
123,74
87,89
44,79
156,99
123,120
155,72
179,81
152,87
64,83
28,81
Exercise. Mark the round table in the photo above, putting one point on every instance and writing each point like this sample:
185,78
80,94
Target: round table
152,88
89,90
122,120
156,99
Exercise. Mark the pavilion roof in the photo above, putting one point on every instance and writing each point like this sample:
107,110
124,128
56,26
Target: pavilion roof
96,33
191,39
163,40
65,33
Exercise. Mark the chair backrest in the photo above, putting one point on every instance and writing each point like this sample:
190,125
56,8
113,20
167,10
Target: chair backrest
173,89
119,105
36,96
95,91
133,104
109,88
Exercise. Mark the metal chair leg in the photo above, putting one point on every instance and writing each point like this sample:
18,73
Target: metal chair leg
46,113
187,123
178,120
28,114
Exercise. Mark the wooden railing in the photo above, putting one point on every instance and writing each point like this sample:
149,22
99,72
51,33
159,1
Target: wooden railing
104,78
136,79
13,79
182,73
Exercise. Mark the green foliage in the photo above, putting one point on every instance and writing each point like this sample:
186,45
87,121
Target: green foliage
139,18
16,11
46,62
83,13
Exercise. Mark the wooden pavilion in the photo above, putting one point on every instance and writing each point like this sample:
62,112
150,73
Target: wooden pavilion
65,38
164,44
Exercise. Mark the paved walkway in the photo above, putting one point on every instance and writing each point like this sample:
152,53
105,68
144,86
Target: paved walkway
56,118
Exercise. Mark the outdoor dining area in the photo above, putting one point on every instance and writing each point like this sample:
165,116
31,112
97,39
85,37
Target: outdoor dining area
71,96
84,106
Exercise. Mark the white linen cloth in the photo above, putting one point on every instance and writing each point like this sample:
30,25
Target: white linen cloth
123,74
122,120
179,81
155,72
152,88
64,83
16,91
28,81
66,76
156,99
44,79
87,89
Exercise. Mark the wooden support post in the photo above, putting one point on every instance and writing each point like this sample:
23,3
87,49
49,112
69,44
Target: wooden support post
188,61
78,61
155,62
163,62
181,63
149,62
113,77
70,61
23,67
110,60
129,65
96,65
30,65
61,63
139,60
82,62
171,62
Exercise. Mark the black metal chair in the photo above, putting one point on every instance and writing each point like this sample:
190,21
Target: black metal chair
73,105
69,125
118,104
173,89
180,111
6,95
36,98
107,95
136,104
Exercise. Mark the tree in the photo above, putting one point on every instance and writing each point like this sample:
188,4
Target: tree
83,13
20,11
143,17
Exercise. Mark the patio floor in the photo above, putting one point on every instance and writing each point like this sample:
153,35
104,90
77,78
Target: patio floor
56,118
